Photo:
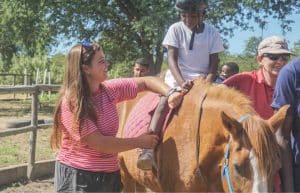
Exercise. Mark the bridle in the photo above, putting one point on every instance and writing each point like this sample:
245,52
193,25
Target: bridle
225,172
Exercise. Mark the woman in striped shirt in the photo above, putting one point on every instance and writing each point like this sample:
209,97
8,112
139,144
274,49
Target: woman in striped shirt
86,122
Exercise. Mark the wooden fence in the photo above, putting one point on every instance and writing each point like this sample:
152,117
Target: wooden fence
34,91
26,78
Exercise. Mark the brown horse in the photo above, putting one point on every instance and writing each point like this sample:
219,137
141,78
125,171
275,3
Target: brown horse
215,142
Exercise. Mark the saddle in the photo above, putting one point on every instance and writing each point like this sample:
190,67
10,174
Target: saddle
139,119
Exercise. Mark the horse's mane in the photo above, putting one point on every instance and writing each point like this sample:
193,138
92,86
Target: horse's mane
263,143
237,101
259,134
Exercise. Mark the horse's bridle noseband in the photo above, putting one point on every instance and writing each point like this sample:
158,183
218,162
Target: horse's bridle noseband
225,171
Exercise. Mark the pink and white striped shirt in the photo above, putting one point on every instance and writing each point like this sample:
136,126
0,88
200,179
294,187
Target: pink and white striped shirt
81,156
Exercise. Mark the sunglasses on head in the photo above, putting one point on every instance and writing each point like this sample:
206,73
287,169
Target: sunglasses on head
274,57
86,44
89,51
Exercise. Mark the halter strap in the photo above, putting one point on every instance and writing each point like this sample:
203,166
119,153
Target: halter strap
243,118
225,171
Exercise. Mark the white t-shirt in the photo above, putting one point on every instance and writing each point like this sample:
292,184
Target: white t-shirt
192,63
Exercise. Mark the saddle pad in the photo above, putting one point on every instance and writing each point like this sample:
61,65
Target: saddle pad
140,116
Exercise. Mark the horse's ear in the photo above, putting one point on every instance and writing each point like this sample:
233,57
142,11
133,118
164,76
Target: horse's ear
232,125
278,118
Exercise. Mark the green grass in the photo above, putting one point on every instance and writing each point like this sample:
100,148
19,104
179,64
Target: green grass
14,150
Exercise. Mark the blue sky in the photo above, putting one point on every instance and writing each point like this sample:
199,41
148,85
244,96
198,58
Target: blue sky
238,42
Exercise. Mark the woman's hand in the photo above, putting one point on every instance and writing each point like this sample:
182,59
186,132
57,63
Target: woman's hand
147,141
175,99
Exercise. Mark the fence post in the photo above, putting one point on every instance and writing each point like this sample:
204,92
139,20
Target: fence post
14,84
49,83
25,80
44,80
37,76
33,135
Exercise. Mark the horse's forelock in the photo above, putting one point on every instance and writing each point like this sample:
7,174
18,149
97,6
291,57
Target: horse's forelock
264,145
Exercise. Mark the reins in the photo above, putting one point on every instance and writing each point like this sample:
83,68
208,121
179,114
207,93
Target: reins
198,171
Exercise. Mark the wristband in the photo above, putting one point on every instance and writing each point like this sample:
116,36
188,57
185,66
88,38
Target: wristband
171,91
175,89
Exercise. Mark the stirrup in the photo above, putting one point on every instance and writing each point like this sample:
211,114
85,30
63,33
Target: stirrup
145,160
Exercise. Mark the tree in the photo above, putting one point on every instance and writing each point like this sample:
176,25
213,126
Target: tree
245,62
296,49
251,46
24,29
127,29
133,28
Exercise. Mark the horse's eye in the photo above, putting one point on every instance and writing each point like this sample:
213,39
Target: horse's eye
238,169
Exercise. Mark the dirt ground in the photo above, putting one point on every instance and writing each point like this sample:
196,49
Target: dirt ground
38,186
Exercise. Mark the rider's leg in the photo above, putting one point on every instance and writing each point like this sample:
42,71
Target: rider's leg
145,160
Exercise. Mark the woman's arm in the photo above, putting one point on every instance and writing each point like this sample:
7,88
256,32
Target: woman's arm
109,144
156,85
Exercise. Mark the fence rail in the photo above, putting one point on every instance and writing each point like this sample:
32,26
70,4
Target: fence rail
34,91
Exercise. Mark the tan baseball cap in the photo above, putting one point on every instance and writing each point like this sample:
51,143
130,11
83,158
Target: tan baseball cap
273,45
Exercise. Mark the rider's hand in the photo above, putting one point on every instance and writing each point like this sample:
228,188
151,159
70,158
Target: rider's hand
186,86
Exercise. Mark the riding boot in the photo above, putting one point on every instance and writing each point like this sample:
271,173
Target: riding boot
286,170
146,158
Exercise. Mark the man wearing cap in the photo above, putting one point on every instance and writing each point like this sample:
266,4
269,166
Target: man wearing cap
273,54
287,91
259,85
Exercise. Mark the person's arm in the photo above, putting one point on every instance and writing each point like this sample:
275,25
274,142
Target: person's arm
156,85
213,67
284,141
109,144
173,65
285,94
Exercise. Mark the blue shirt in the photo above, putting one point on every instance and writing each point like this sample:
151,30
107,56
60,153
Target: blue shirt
287,91
219,79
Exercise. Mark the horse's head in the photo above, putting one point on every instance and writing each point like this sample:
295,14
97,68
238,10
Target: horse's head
252,155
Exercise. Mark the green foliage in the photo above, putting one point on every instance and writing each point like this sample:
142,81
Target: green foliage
120,70
236,14
35,66
57,64
126,29
24,30
245,62
251,46
296,49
